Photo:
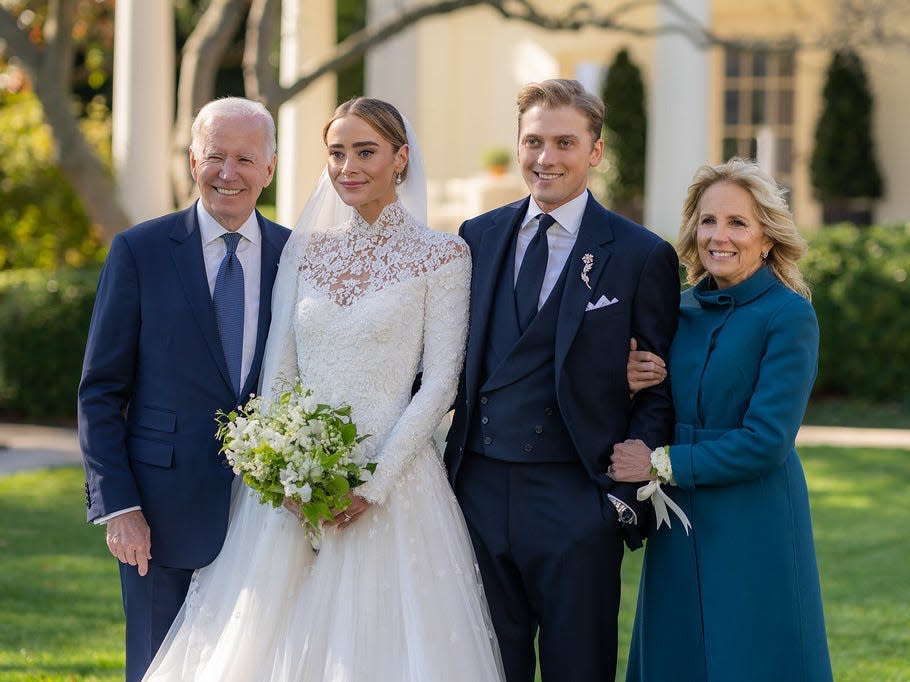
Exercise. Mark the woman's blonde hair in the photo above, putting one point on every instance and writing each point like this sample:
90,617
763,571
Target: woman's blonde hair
771,209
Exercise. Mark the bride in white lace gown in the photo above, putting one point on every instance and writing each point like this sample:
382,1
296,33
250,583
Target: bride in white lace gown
361,306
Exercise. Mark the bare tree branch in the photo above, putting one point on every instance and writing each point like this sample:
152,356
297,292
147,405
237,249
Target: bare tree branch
261,34
202,54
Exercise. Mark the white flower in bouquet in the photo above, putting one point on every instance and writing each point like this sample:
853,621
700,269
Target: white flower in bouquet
296,448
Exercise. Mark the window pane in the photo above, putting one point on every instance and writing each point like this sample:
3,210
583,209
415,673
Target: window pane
730,148
759,63
785,107
731,61
784,155
731,107
785,63
758,107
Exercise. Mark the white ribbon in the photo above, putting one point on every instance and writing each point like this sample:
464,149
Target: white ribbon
660,501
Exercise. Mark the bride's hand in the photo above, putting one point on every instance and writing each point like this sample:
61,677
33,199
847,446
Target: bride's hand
345,518
292,507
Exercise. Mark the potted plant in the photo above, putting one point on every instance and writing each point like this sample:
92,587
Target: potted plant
496,160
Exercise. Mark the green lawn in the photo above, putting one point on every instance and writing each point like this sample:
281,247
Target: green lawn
61,620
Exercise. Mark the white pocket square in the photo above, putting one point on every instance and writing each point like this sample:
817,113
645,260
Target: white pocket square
602,302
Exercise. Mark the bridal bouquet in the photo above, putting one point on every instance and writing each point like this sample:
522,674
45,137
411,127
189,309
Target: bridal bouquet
296,448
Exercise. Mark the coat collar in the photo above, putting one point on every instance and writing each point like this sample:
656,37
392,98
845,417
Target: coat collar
706,293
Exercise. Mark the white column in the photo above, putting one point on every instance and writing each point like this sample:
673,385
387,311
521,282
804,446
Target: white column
307,33
678,118
392,67
143,105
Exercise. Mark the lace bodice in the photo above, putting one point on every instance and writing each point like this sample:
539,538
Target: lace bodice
358,258
376,304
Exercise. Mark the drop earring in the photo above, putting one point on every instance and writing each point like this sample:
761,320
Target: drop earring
398,178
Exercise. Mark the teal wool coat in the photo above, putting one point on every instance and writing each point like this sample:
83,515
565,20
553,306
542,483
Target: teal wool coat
738,598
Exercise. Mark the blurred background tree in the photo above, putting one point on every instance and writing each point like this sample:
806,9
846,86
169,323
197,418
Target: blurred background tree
626,122
844,171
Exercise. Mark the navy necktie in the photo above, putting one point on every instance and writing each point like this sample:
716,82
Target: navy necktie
228,300
531,274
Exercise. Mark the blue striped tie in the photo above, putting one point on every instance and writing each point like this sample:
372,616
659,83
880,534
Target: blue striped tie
228,300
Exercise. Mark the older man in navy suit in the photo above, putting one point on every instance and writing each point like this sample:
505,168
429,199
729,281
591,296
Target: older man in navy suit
177,333
560,286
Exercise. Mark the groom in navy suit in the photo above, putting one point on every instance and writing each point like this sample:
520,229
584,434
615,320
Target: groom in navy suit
177,333
560,286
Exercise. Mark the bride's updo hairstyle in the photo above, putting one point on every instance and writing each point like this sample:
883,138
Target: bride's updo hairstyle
380,116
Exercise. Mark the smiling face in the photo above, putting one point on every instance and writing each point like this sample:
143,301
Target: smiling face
730,237
363,165
233,167
555,151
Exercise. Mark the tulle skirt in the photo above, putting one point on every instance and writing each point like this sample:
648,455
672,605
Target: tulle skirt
394,597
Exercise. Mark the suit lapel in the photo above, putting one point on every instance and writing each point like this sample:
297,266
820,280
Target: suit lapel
595,237
489,259
271,253
187,253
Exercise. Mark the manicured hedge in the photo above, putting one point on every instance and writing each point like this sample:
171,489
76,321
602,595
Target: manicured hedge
44,320
862,297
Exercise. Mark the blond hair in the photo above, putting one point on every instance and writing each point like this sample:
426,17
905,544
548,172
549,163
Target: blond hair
561,92
771,209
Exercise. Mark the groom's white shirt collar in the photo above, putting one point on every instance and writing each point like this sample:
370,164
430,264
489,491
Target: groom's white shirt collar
569,215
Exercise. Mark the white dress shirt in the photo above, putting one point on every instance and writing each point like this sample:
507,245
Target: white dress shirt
249,252
561,238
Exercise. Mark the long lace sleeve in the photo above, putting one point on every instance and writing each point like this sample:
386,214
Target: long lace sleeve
445,333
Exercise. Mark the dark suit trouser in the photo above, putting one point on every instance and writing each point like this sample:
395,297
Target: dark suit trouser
150,602
550,556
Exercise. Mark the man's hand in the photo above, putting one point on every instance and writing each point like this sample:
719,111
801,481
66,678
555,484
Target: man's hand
130,539
644,369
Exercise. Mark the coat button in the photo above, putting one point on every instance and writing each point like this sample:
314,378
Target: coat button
529,447
487,440
484,420
483,400
538,429
548,411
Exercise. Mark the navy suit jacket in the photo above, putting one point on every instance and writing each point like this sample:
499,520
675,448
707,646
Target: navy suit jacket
153,377
630,264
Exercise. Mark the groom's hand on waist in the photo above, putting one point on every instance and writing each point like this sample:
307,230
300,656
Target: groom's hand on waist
129,539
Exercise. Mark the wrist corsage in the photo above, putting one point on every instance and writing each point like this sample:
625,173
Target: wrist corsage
662,470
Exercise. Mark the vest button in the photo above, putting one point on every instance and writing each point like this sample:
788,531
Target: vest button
529,447
548,411
483,400
484,420
487,440
538,429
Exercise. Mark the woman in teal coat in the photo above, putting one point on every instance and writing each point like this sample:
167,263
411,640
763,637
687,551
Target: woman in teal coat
736,597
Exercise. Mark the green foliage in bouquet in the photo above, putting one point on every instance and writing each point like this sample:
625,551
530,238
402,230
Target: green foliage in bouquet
296,448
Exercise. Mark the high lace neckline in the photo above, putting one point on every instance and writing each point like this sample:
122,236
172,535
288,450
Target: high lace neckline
391,218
